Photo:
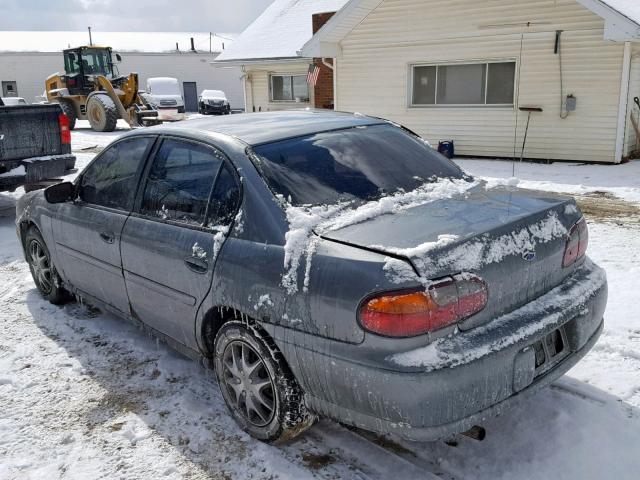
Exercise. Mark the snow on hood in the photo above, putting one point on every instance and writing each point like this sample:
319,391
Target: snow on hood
306,224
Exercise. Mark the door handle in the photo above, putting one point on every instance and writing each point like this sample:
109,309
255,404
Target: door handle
197,264
107,237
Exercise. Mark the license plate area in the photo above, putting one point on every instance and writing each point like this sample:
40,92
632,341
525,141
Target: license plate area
550,351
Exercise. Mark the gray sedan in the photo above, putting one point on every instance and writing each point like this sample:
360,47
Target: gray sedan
325,264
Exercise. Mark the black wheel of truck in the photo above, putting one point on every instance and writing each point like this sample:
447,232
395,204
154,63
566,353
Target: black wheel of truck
102,113
257,385
70,112
42,269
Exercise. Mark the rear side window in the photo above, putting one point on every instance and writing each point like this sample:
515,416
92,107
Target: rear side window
180,181
111,180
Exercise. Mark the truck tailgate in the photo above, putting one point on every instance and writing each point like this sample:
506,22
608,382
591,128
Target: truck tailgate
30,131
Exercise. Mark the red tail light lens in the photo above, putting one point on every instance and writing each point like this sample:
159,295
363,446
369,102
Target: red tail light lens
577,242
407,314
65,131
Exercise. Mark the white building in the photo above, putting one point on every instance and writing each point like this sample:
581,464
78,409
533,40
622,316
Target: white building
267,52
463,70
28,58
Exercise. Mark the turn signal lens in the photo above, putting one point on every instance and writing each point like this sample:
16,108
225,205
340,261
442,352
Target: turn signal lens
408,314
577,242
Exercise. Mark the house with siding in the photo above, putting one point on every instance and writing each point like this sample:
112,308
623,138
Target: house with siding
469,71
268,53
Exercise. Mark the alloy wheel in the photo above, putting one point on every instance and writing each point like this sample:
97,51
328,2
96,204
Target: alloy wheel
249,383
40,266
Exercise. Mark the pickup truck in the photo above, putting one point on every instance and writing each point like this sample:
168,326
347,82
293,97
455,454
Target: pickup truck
35,146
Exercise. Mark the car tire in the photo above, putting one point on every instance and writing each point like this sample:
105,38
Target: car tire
248,365
102,113
70,112
42,269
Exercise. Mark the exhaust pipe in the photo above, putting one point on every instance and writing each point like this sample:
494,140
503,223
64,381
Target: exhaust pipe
476,432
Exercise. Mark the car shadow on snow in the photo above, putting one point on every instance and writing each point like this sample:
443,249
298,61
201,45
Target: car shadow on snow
569,430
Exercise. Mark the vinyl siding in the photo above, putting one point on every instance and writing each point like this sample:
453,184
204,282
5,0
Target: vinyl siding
31,69
634,91
258,90
373,74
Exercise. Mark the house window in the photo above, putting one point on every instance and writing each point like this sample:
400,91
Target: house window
489,83
289,88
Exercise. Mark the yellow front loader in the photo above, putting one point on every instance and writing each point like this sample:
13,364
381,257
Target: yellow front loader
91,89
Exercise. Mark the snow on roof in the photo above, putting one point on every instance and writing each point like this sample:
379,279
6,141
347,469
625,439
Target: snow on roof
282,29
152,42
628,8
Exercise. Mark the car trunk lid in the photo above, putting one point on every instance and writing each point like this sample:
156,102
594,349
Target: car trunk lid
514,239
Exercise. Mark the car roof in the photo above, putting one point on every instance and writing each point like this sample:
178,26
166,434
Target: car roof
267,127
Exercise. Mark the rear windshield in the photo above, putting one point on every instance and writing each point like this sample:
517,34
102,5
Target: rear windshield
362,163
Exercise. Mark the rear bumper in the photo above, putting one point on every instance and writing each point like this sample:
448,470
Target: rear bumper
37,169
456,382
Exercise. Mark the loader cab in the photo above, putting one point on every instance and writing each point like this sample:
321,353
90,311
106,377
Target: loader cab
82,62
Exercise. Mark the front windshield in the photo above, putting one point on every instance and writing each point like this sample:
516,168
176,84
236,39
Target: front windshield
164,87
96,61
362,163
213,94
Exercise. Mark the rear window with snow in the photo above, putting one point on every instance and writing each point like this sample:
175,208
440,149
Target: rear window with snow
362,163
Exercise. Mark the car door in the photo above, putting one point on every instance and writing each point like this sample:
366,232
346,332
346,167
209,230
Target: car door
171,240
87,230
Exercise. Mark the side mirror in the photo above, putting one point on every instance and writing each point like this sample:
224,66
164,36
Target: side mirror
60,192
118,57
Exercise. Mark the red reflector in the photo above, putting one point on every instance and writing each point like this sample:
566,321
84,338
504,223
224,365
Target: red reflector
407,314
577,242
65,131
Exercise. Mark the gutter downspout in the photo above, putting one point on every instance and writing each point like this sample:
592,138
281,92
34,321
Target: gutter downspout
624,102
244,88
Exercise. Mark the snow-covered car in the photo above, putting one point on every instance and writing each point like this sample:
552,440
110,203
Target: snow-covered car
12,101
163,93
213,102
325,264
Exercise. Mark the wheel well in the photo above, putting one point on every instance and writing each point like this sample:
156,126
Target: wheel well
24,226
216,317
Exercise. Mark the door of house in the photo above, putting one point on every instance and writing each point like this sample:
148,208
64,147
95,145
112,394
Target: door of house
190,96
9,89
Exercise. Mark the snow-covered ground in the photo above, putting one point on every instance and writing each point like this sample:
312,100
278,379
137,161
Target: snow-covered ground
84,395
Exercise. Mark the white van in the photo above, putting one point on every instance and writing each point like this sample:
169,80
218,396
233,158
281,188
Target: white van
163,93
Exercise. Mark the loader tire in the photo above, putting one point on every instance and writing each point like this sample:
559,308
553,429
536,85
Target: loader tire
70,112
102,113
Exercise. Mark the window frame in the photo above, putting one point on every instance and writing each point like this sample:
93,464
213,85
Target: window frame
139,174
142,183
291,75
487,62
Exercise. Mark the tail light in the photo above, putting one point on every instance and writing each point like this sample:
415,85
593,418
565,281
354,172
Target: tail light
65,131
577,242
412,313
71,82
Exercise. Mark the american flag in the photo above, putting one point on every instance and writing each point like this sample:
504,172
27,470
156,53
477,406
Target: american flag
312,74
